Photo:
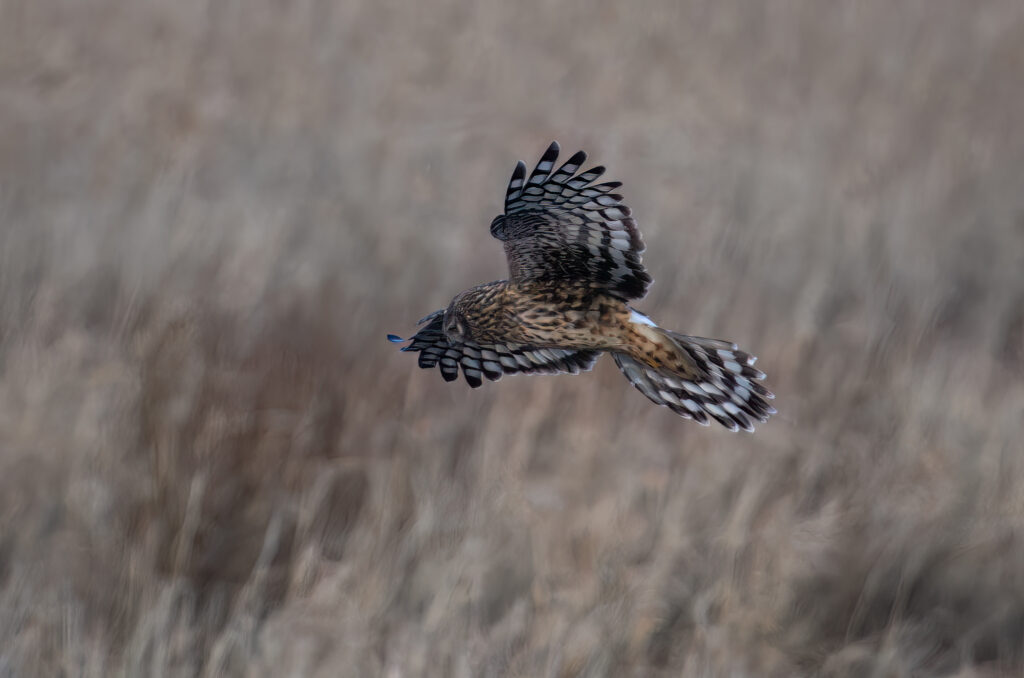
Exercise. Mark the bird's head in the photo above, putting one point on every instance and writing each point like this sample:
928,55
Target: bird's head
455,327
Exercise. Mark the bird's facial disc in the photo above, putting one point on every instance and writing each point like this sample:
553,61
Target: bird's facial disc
454,328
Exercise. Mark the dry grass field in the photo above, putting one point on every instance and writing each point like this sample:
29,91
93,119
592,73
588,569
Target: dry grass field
212,463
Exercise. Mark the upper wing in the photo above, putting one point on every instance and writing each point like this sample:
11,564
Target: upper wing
559,226
489,360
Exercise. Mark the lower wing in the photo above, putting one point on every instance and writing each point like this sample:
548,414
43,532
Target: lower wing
489,360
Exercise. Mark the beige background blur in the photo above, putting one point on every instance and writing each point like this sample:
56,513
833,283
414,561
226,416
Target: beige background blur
212,462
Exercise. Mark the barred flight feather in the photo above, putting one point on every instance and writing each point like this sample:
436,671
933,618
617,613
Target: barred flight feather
489,360
727,392
558,226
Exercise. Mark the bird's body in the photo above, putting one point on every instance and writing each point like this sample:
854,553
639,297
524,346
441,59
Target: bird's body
554,315
574,259
542,314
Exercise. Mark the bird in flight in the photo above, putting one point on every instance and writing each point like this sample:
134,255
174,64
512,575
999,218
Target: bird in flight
573,254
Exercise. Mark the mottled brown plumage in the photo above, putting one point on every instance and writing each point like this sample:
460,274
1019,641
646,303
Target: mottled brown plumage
574,251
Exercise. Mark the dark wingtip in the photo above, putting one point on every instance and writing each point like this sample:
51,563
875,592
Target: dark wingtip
395,339
578,158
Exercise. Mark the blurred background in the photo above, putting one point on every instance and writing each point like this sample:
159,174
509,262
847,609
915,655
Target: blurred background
212,463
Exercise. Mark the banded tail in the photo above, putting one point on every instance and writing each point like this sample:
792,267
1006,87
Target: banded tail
697,378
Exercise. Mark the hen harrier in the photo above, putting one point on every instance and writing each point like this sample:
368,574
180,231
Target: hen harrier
574,261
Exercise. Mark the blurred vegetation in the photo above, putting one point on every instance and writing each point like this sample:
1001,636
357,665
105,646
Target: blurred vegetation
212,463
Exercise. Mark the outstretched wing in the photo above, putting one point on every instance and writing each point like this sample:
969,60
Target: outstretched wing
489,360
560,226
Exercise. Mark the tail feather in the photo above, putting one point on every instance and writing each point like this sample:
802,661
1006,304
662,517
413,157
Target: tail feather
726,389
